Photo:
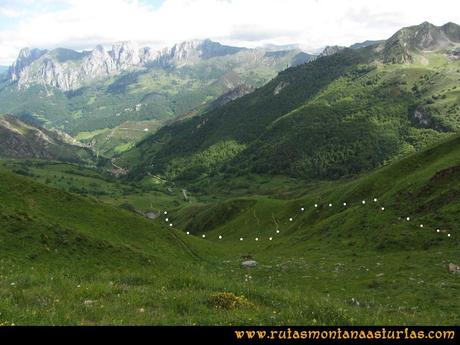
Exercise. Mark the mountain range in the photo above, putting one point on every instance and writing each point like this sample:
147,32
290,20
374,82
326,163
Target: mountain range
213,97
348,111
105,90
67,69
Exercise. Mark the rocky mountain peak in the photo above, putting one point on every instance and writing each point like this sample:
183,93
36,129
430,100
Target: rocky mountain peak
25,57
98,63
452,31
125,54
401,47
426,36
99,49
190,51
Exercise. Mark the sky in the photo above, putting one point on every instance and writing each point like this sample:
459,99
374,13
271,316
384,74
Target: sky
313,24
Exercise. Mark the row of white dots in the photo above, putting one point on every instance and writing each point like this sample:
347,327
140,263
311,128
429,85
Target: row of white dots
303,209
241,238
344,204
271,238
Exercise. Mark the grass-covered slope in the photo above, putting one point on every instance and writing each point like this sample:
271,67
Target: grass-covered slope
72,260
376,260
67,259
43,224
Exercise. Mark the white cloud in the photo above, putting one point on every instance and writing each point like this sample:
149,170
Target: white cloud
80,24
8,12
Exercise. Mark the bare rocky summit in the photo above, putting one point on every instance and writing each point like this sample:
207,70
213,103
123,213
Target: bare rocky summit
67,69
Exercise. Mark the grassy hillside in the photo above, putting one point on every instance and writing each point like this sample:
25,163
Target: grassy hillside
381,259
42,224
72,260
61,253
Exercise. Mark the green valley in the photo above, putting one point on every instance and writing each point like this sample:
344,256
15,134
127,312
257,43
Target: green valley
213,185
392,270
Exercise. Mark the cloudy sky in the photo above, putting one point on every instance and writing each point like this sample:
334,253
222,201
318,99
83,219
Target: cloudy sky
81,24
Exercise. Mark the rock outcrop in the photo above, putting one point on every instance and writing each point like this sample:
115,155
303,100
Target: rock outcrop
249,264
453,268
20,139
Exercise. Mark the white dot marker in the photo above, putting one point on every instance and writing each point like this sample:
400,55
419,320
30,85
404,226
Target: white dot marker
241,238
437,230
448,235
408,218
316,205
277,231
220,237
330,205
302,209
204,236
290,219
188,232
375,199
344,204
421,225
364,201
270,238
383,208
170,224
257,238
166,212
167,219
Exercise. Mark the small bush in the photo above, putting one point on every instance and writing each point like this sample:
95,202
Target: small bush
228,301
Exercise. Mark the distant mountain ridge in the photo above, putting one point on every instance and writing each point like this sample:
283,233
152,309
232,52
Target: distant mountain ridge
100,95
366,43
67,70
